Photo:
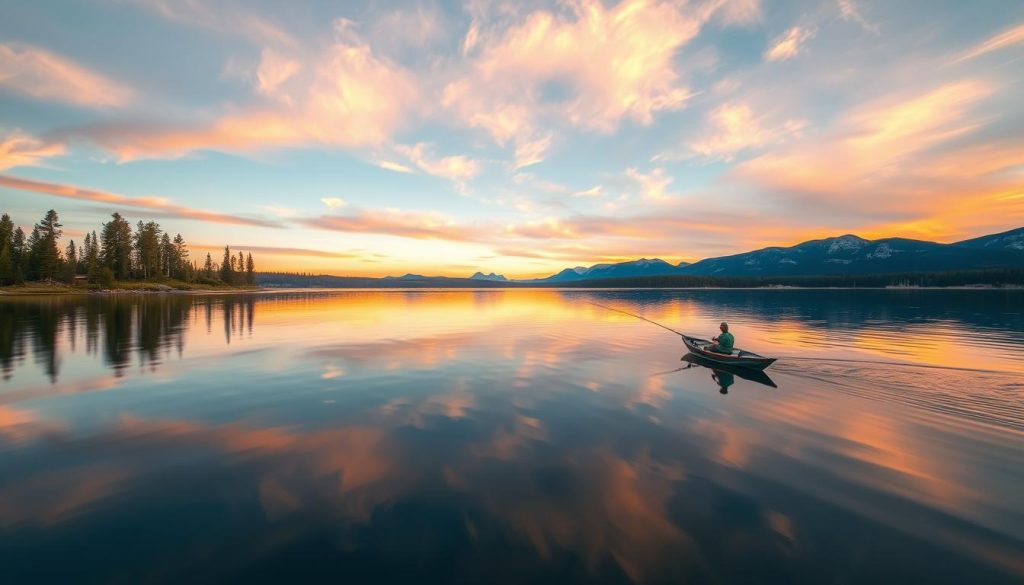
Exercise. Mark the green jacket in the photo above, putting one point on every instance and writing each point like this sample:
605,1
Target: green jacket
726,341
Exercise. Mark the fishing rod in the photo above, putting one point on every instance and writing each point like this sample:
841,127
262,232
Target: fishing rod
638,317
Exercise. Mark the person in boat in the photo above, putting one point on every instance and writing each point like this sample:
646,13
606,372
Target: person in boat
724,342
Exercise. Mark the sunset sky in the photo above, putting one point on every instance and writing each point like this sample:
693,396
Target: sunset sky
517,137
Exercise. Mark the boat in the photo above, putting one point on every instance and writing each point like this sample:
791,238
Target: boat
754,375
738,357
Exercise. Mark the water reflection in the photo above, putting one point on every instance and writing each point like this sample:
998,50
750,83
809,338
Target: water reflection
148,327
725,375
501,436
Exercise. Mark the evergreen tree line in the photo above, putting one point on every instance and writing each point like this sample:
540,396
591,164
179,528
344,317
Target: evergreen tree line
117,253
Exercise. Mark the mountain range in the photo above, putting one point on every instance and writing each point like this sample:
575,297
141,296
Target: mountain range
847,255
837,257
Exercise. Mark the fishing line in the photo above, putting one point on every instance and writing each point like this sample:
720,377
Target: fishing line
638,317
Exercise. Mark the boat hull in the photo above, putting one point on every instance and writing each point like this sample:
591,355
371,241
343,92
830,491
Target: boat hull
738,358
753,374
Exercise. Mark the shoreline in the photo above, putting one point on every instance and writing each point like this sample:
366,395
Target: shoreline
146,289
45,291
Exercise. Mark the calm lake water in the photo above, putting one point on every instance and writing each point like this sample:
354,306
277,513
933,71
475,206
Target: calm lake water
523,436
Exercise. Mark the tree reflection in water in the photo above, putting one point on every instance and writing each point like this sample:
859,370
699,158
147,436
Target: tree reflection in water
147,326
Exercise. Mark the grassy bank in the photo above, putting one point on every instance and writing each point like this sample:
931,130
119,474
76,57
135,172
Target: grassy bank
134,286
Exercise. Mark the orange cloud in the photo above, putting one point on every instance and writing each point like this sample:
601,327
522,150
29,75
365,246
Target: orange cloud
790,44
457,168
590,69
737,128
873,145
43,75
654,185
276,251
393,166
349,97
393,222
18,149
160,204
1013,36
915,166
274,70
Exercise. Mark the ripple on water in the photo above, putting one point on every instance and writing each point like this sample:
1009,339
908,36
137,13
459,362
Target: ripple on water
984,396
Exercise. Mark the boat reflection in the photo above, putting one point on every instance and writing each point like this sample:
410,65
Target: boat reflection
725,375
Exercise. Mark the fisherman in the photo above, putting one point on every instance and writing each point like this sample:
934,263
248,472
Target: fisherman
724,342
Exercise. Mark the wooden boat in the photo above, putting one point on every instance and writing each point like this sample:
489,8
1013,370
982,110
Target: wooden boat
738,357
754,375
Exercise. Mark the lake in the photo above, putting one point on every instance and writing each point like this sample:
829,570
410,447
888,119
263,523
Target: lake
512,436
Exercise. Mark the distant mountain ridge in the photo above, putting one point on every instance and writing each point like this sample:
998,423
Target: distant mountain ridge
492,277
851,254
641,267
1009,240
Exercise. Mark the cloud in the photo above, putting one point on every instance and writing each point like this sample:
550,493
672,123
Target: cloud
348,98
274,70
1009,37
457,168
393,166
333,202
907,161
43,75
158,204
789,45
434,226
595,191
740,12
549,228
530,151
873,143
393,222
18,149
849,11
588,67
423,27
280,210
737,128
222,17
277,251
654,185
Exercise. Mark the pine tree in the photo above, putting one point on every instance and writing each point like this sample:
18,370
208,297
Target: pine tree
208,266
168,253
70,262
18,254
147,249
93,266
225,267
6,250
6,230
84,256
181,259
6,265
250,271
48,254
33,251
117,246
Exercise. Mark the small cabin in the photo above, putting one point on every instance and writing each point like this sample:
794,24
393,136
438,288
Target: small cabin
80,279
